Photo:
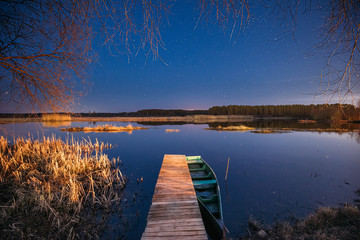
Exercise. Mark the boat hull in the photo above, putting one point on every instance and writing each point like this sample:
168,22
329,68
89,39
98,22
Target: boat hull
208,195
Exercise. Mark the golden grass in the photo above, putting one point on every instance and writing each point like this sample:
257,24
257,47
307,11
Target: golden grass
53,183
269,131
56,118
306,121
103,128
241,128
172,130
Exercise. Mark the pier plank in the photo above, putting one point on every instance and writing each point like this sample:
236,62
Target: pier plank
174,212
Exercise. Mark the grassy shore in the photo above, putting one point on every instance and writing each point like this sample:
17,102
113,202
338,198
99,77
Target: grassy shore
187,119
104,128
325,224
50,189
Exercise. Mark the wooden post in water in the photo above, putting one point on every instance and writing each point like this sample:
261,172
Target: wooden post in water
174,212
227,169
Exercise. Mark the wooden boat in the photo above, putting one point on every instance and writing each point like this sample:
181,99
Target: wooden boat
208,195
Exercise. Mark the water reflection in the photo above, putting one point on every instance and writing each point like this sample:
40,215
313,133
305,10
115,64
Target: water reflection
357,200
271,176
57,124
293,125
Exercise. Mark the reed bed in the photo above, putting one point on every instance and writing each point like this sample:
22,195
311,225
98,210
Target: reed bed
269,131
241,128
50,188
103,128
172,130
55,117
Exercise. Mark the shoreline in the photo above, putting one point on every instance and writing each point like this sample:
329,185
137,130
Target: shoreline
188,119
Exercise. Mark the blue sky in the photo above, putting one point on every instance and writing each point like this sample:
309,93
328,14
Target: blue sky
205,68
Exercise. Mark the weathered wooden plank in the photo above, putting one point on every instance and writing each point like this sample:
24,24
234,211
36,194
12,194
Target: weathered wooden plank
174,192
176,221
176,198
167,216
174,233
195,237
174,224
174,213
172,228
171,207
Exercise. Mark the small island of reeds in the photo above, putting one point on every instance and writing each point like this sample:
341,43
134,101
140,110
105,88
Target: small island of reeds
269,131
241,128
51,189
55,117
104,128
172,130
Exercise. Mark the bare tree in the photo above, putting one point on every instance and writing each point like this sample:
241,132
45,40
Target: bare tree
45,46
340,37
42,47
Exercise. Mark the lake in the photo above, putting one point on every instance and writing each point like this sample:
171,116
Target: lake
272,177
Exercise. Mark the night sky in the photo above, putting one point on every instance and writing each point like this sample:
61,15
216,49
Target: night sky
202,67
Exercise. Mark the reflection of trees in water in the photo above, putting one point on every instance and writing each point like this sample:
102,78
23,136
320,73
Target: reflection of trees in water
357,200
356,137
293,124
57,124
279,123
151,123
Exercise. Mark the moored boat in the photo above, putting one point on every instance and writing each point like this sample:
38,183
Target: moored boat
208,194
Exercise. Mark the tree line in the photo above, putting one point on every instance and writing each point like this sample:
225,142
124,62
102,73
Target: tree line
317,112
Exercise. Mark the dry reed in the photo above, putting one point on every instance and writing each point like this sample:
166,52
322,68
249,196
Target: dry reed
241,128
103,128
56,118
47,188
172,130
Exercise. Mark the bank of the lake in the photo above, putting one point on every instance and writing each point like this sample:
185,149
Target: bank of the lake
184,119
50,189
326,223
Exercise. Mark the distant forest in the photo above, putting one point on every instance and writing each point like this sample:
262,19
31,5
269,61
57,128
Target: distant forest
316,112
333,112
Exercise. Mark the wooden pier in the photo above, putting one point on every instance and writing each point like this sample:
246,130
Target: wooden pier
174,212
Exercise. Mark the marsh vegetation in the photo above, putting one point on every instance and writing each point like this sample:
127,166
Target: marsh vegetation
104,128
324,224
168,130
55,118
51,189
232,128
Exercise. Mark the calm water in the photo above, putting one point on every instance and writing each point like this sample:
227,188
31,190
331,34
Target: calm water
272,177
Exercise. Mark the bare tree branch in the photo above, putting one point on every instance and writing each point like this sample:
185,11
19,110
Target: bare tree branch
42,49
45,46
339,37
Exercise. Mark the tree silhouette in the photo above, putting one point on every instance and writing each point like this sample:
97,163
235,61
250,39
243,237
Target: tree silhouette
45,46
